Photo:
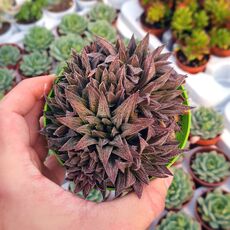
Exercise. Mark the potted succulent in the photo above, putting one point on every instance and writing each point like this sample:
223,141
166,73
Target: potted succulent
207,126
220,42
213,210
60,48
86,4
35,64
29,15
103,29
155,19
72,23
180,191
102,11
209,166
107,128
6,81
56,9
38,38
192,54
10,55
178,220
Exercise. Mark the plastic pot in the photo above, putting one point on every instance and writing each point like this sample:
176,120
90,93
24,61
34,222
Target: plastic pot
87,4
7,35
220,52
208,142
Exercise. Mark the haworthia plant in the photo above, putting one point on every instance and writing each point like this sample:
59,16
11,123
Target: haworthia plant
9,55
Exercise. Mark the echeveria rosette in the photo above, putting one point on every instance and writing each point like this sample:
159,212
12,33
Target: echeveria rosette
206,123
178,221
6,80
180,191
214,209
111,116
9,55
211,166
38,39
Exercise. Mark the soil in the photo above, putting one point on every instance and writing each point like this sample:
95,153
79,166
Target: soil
5,27
195,63
62,6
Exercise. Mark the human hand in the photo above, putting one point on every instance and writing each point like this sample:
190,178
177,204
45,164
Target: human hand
30,194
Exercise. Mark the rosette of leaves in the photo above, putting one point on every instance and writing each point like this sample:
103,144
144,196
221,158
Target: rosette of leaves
211,166
111,116
102,11
178,220
214,209
201,19
180,191
6,80
220,37
206,123
38,38
9,55
60,48
102,29
35,64
73,23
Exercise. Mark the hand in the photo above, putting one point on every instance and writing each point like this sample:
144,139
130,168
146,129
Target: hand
30,194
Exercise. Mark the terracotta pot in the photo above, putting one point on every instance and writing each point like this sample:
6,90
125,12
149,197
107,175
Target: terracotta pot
190,69
208,142
195,177
220,52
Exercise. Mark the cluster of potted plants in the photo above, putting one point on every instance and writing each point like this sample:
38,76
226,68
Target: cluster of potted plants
199,28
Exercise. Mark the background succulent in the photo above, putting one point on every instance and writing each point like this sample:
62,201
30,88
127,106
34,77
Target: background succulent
201,19
73,23
35,64
206,123
180,191
220,37
102,29
102,11
214,209
178,220
111,119
211,166
38,38
60,49
6,80
9,55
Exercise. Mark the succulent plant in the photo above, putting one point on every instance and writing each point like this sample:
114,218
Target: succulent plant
101,29
35,64
214,209
73,23
211,166
60,49
206,123
102,11
38,38
6,80
220,37
9,55
59,68
180,191
111,119
201,19
178,221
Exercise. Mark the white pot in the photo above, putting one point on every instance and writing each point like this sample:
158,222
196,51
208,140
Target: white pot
59,15
116,3
6,36
86,4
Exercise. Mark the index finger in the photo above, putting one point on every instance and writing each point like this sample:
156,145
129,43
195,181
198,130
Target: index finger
22,98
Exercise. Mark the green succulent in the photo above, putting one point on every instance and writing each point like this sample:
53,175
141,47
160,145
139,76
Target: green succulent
73,23
211,166
178,221
35,64
102,29
102,11
196,45
201,19
59,68
220,37
206,123
29,12
180,191
60,49
6,80
9,55
214,209
38,38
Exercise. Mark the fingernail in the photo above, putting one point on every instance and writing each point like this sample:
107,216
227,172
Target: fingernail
168,181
